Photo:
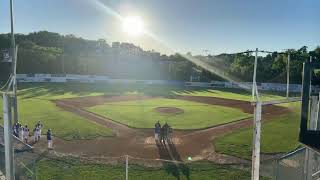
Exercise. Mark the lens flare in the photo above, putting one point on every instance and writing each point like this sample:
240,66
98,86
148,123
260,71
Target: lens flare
133,25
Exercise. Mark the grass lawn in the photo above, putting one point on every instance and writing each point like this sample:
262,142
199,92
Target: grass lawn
54,169
141,113
279,135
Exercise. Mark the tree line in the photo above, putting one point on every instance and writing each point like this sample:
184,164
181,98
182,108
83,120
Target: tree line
49,52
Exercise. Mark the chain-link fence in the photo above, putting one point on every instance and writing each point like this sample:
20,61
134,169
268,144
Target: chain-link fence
24,159
291,166
302,164
51,165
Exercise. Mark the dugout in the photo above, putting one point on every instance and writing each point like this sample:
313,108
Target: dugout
310,114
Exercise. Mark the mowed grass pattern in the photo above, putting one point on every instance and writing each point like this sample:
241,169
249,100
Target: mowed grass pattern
68,90
142,113
235,94
278,136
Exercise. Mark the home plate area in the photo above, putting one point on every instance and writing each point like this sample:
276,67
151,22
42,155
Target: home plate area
150,140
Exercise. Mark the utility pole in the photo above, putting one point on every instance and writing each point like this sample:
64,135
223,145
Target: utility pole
255,171
254,83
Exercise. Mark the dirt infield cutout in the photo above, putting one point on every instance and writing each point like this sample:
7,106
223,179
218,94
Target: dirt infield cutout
169,110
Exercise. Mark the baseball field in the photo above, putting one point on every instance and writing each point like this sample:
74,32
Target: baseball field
213,126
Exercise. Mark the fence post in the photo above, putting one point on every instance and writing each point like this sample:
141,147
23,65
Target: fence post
277,169
256,142
127,166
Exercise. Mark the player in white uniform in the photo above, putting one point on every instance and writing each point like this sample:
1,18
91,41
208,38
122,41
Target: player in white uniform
21,130
40,126
36,134
26,134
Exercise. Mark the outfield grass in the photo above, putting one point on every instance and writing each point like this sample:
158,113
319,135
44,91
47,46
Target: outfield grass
142,113
237,94
71,169
68,90
279,135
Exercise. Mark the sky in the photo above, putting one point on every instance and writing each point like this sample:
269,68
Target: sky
219,26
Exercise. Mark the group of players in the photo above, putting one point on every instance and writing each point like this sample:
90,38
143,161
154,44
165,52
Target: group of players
23,133
163,133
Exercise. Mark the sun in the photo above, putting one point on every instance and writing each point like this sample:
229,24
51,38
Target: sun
133,26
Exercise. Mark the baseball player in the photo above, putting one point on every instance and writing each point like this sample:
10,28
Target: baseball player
40,126
21,130
49,138
162,134
166,131
157,129
26,134
36,134
15,130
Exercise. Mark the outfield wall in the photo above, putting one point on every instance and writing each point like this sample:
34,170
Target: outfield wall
261,86
58,78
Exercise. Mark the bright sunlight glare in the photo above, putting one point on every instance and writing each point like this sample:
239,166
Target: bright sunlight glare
133,26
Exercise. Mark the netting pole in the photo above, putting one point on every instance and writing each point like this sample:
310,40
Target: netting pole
127,166
256,142
254,83
14,86
8,137
288,75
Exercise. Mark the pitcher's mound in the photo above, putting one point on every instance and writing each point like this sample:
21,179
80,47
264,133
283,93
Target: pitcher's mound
174,140
169,110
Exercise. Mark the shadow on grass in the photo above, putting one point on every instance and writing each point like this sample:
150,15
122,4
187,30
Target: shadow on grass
168,151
